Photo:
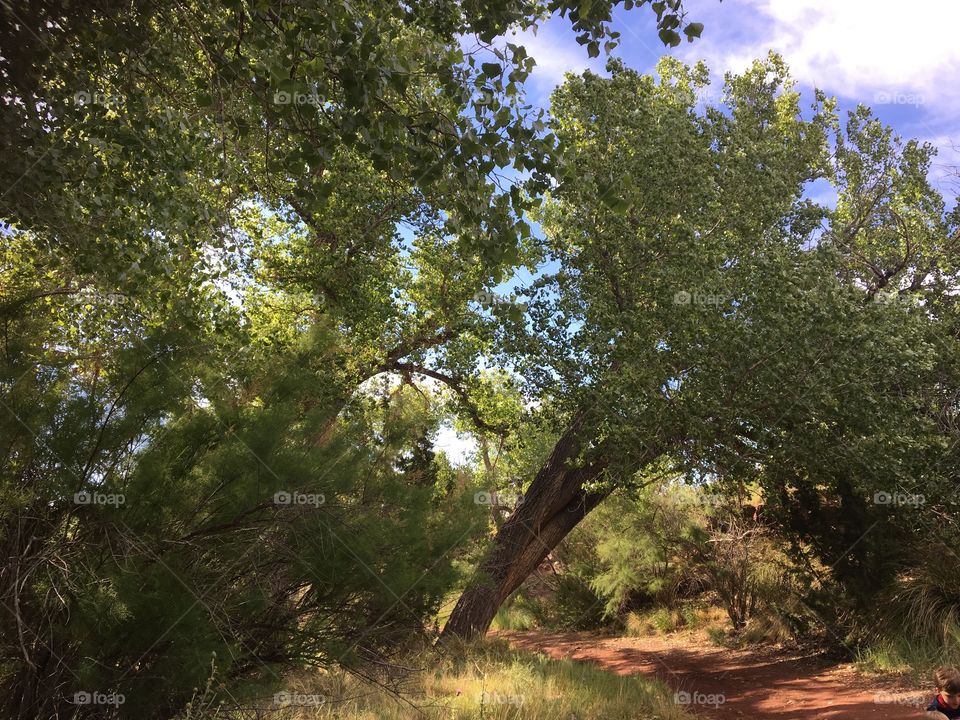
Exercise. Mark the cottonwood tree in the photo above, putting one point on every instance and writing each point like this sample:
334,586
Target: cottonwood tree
705,313
144,135
203,266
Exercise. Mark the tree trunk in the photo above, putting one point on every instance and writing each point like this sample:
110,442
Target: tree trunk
551,508
511,562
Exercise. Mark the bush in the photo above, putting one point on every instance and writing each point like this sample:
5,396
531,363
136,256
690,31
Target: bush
718,635
573,605
666,544
639,558
515,614
241,538
919,628
659,621
565,602
766,628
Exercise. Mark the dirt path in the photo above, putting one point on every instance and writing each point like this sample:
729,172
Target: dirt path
722,684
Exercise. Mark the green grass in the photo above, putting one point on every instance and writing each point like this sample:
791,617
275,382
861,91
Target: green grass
487,681
663,621
693,617
913,658
514,617
517,613
718,635
659,621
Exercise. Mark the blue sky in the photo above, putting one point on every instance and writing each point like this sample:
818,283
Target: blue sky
902,61
904,64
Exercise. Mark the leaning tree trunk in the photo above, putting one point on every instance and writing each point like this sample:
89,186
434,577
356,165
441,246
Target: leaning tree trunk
553,505
518,551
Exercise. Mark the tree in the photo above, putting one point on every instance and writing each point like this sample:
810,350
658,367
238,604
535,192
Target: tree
706,314
225,102
203,270
160,137
178,507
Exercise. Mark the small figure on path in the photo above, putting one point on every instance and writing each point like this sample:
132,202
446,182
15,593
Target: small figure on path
947,702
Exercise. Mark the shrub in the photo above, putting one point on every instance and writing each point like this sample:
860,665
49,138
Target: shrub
639,556
515,614
241,537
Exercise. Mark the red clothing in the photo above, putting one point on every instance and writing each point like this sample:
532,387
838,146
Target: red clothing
938,705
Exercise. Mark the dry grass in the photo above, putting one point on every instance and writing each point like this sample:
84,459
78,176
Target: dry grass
487,681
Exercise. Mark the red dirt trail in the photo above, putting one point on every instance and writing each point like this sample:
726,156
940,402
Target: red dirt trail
753,684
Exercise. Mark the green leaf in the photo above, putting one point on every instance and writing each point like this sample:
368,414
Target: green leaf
693,30
669,37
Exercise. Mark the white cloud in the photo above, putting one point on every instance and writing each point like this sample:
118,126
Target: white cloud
856,48
902,60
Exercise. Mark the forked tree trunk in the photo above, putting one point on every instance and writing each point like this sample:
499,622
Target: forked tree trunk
551,508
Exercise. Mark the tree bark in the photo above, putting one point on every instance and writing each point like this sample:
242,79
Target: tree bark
551,508
478,604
